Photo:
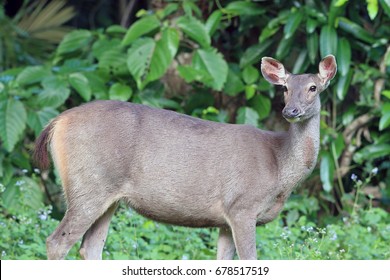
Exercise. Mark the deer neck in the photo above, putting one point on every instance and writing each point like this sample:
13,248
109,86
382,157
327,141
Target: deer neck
300,150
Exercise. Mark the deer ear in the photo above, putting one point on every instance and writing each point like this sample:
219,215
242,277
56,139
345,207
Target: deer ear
328,69
273,71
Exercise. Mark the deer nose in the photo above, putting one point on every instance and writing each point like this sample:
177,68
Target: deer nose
291,112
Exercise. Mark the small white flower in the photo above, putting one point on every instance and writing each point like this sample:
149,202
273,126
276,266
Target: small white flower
354,177
369,229
342,251
374,171
24,171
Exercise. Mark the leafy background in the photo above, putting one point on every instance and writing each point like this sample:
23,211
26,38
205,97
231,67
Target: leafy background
202,58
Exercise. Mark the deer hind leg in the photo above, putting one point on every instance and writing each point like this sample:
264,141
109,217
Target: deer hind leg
78,219
95,237
244,235
226,248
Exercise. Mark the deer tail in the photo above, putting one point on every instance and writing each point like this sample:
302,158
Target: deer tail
41,151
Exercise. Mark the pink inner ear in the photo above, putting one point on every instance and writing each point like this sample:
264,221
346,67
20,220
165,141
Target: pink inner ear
274,64
273,77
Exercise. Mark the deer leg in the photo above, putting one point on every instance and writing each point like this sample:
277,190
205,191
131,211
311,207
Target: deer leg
226,248
244,235
95,237
78,219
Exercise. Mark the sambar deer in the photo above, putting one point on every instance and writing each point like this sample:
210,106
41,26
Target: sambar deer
181,170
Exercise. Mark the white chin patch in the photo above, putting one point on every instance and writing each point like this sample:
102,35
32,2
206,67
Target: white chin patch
293,120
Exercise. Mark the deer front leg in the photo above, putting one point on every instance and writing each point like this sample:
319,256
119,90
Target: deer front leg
226,248
244,235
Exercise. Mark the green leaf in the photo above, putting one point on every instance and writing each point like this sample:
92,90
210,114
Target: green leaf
32,74
343,56
355,30
262,105
234,84
250,91
386,93
55,92
112,62
244,8
148,61
253,54
384,121
190,74
267,32
246,115
301,63
327,171
213,63
311,25
328,41
293,22
312,46
284,47
13,119
343,85
139,58
80,83
38,120
169,9
250,74
74,41
371,152
139,28
120,92
213,21
194,29
372,8
386,6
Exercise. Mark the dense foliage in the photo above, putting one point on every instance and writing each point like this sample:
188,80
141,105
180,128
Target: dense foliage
205,62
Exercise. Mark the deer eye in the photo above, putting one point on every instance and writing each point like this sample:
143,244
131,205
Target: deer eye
313,88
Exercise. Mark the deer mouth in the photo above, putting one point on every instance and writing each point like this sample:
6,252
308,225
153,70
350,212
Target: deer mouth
293,119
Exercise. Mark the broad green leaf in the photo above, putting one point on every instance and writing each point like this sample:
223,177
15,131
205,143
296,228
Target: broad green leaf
148,61
246,115
81,84
189,7
284,47
335,10
244,8
234,84
293,22
312,46
327,171
32,74
163,54
116,29
169,9
194,29
267,32
139,28
74,41
253,54
343,85
190,74
262,105
250,91
38,120
311,25
356,30
112,61
55,92
386,6
372,152
343,56
213,21
386,93
213,63
384,121
372,8
120,92
13,119
301,63
250,74
139,58
328,41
